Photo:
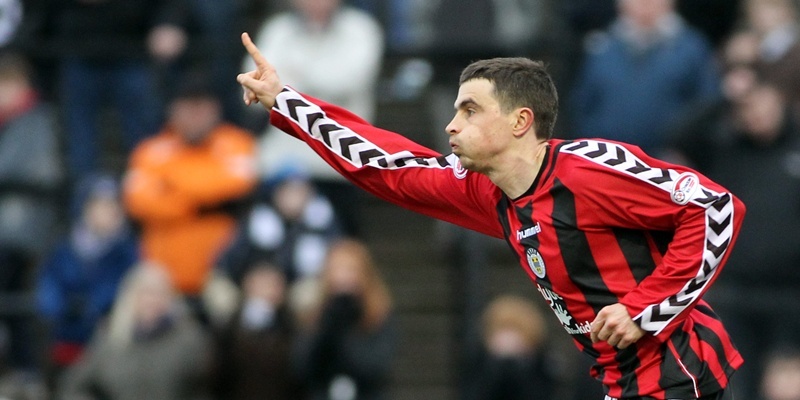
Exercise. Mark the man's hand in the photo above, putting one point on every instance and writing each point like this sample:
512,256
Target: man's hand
262,84
615,326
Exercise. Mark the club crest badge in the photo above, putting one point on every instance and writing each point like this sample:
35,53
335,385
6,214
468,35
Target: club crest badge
684,188
535,262
459,171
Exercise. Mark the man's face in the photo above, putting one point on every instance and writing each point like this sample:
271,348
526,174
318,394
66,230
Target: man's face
104,216
761,113
480,130
195,117
318,11
765,16
645,13
266,284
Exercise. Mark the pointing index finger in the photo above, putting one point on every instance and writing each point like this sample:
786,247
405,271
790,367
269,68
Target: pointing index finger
261,62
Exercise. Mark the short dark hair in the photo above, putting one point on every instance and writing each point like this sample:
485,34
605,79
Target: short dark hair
520,82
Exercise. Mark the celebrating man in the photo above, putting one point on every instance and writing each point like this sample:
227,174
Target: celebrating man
621,245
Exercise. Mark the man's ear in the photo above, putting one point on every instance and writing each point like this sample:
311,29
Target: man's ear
523,121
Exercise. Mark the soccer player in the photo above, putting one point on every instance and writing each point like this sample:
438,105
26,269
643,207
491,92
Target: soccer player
622,246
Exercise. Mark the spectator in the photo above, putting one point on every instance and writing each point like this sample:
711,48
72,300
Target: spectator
756,153
183,184
332,52
347,45
347,351
30,180
697,132
78,281
107,51
151,348
641,75
511,360
775,25
291,225
254,349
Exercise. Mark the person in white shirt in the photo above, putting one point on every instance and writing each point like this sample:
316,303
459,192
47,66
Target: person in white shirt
330,51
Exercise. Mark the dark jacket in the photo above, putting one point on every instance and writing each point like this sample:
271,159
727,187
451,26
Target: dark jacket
340,353
253,363
766,177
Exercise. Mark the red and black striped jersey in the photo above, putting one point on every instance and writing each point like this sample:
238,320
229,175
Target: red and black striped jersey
603,223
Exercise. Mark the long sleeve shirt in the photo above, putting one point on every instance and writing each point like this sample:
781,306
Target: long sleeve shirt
603,223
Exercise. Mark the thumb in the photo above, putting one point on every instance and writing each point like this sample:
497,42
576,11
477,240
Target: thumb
597,326
249,96
252,88
246,80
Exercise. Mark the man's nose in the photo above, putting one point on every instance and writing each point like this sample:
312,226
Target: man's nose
451,127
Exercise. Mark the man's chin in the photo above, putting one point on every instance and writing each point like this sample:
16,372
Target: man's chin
466,163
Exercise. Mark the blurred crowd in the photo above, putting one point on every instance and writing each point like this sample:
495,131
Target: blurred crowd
159,240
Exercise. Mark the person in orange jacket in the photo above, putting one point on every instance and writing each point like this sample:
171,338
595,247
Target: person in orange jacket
181,183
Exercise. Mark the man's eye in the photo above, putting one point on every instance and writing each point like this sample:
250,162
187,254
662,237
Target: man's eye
470,112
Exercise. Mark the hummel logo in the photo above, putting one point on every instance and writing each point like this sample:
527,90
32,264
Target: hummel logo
528,232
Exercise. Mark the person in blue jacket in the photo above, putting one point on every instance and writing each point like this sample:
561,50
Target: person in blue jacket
640,76
78,281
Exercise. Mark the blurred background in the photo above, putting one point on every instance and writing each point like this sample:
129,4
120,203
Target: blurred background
159,240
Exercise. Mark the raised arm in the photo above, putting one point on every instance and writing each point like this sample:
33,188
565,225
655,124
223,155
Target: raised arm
383,163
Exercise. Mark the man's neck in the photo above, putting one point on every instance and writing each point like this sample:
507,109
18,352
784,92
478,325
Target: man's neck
516,175
643,37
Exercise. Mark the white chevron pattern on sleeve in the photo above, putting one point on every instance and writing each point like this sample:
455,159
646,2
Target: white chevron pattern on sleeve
344,142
